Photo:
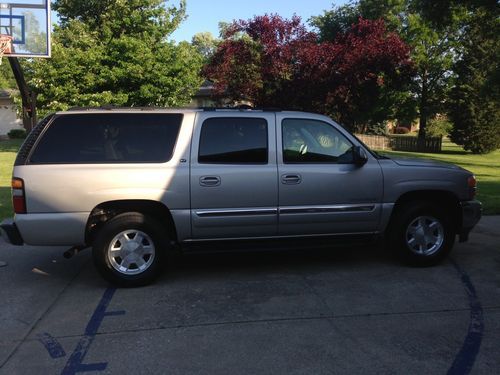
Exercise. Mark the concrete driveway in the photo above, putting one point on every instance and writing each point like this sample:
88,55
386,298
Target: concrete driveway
346,311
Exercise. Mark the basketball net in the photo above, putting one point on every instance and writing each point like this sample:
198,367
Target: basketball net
5,45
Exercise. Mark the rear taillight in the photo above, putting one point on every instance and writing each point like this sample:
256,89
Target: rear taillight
472,184
18,197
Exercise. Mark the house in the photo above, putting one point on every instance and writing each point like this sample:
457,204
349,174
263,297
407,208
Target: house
203,98
8,115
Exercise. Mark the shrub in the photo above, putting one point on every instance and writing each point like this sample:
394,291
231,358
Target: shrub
376,129
401,130
17,134
439,127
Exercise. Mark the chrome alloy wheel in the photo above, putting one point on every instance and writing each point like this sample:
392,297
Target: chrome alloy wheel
425,235
131,252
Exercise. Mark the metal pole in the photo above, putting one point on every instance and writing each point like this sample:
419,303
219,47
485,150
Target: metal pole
28,96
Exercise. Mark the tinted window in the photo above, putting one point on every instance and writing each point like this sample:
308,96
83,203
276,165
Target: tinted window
311,141
233,141
109,138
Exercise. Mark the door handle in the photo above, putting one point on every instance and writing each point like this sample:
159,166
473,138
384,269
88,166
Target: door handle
210,181
291,179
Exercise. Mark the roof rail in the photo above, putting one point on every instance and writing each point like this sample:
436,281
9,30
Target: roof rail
110,107
243,107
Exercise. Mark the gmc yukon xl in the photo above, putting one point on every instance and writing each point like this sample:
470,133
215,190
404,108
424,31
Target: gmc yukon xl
134,184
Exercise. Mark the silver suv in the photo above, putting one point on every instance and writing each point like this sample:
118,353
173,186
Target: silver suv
134,184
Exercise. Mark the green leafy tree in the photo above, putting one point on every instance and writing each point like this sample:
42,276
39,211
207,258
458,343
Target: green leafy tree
115,52
115,18
7,81
474,104
432,52
205,43
336,21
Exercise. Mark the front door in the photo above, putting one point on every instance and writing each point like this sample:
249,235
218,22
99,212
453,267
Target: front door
321,190
234,188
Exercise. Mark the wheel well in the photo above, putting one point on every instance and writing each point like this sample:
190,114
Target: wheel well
443,199
107,210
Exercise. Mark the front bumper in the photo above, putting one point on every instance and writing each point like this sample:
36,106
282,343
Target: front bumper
10,233
471,214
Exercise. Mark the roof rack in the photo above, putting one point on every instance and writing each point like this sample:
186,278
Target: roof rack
112,107
243,107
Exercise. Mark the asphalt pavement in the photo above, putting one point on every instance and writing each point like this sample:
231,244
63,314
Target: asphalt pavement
334,311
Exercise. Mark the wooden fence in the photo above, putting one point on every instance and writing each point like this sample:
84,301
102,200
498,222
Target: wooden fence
401,143
408,143
376,142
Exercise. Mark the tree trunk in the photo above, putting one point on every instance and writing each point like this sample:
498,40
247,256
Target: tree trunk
423,114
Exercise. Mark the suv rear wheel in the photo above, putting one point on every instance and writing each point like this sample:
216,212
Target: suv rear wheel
129,249
421,234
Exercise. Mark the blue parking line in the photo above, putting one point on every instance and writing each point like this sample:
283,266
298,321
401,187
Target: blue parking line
464,360
75,362
52,345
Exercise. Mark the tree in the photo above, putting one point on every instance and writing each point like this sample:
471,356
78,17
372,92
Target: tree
115,52
7,80
474,96
432,53
255,59
115,18
371,64
443,12
336,21
276,62
474,103
205,43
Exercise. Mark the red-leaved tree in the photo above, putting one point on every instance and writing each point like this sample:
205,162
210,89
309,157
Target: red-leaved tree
274,62
258,58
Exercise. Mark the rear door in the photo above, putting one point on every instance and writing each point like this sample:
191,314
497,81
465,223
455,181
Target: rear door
321,190
234,188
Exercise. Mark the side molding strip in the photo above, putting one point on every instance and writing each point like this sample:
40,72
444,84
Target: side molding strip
326,209
238,212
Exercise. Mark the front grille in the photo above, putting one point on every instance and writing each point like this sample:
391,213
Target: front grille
29,142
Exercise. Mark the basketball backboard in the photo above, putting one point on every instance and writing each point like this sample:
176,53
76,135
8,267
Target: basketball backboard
27,22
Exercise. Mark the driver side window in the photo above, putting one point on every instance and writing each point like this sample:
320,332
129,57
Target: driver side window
314,141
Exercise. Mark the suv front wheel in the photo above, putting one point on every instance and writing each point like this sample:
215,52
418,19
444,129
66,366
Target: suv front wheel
129,249
421,234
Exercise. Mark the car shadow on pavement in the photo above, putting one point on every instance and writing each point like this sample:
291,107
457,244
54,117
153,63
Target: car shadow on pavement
279,261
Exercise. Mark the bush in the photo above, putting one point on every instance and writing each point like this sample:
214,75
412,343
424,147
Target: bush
439,127
17,134
401,130
376,129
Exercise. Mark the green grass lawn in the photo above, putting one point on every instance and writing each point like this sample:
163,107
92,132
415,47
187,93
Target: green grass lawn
485,167
8,150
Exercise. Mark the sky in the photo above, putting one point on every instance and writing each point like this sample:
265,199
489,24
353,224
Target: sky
205,15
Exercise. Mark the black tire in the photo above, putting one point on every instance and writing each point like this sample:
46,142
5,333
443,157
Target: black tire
406,233
127,226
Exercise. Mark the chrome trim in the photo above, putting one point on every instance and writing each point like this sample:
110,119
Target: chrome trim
280,237
238,212
326,209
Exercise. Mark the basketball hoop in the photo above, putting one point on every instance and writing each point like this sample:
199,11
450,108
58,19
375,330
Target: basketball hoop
5,45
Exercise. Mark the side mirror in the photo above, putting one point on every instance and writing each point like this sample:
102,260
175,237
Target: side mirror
359,156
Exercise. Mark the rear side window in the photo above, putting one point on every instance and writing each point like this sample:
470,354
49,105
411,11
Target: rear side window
109,138
233,141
